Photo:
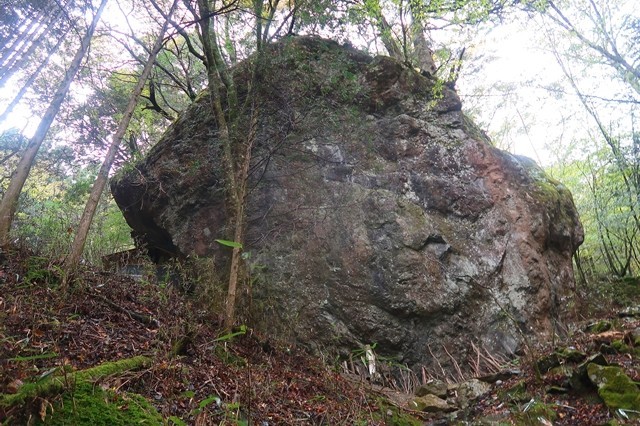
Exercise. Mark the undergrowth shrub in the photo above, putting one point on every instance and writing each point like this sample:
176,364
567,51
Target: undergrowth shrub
48,216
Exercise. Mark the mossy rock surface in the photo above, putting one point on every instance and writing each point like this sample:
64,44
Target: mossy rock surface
90,405
394,416
536,413
385,152
436,387
517,393
431,404
579,380
621,347
559,357
615,388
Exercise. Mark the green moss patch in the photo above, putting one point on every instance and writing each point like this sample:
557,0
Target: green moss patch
90,405
394,416
517,393
615,388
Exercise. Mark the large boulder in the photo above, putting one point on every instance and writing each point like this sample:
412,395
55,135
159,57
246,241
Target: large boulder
377,213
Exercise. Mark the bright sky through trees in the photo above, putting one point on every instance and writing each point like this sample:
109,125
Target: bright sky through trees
25,119
505,84
516,89
515,61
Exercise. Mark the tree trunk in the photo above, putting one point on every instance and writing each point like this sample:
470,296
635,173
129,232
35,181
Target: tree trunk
386,34
422,52
216,70
236,146
80,239
9,51
243,176
9,201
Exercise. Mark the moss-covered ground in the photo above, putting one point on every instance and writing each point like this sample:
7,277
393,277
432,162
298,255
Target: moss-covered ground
88,404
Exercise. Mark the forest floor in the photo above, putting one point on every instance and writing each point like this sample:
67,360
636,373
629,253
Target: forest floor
194,373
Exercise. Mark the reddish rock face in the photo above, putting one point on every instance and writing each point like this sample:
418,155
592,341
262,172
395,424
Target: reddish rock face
378,213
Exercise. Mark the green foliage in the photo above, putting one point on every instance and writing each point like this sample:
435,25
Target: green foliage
232,411
600,326
176,421
392,415
608,209
319,15
533,411
50,210
46,355
96,119
601,297
515,394
12,141
242,330
52,163
41,271
58,380
228,243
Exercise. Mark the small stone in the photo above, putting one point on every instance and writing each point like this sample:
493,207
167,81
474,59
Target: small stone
471,390
555,390
431,404
516,393
547,362
572,355
631,311
434,387
500,376
579,379
559,357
